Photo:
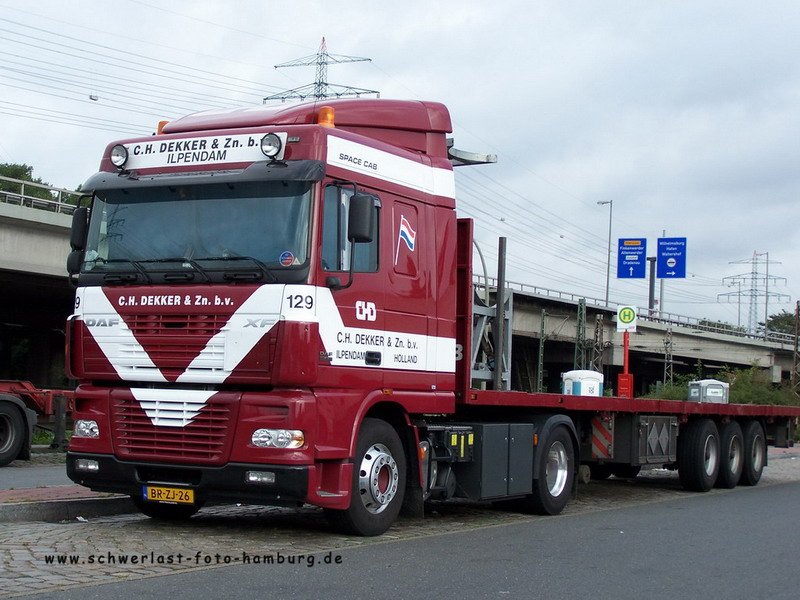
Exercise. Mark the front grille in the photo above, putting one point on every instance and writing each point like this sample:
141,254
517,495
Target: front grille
173,341
179,325
173,431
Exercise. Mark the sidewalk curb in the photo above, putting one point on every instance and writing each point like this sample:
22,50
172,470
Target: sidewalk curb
65,510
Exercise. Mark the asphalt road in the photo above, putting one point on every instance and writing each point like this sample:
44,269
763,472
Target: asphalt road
17,477
740,544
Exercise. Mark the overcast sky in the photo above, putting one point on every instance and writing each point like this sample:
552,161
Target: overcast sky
685,114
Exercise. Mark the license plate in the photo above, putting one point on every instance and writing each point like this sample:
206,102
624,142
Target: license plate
168,495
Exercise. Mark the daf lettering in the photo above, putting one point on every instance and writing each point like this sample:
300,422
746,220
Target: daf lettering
101,322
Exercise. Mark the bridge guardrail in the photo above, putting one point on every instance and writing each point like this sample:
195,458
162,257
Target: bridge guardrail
17,196
660,317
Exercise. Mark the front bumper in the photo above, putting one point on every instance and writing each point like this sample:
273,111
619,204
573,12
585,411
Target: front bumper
211,484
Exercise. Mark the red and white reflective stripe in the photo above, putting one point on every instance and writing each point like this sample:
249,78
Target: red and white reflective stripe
602,438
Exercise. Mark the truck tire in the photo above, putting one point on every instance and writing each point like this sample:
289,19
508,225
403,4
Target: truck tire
12,433
165,512
551,491
379,482
755,453
731,444
698,455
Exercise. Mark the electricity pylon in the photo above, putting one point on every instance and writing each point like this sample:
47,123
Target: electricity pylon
321,88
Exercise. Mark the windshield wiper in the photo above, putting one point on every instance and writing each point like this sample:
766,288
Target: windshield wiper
114,277
179,274
233,276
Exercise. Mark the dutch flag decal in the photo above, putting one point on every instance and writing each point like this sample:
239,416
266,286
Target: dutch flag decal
407,235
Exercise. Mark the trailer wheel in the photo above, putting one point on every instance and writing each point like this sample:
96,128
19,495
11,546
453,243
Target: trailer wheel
166,512
755,453
731,462
12,433
698,455
379,482
552,489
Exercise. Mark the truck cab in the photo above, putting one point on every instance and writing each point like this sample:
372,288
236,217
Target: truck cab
253,287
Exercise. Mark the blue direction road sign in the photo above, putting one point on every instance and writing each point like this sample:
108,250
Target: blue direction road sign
631,258
671,260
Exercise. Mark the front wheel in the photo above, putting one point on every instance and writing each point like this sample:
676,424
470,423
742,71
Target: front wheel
553,487
379,482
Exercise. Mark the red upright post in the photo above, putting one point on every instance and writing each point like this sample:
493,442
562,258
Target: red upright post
625,379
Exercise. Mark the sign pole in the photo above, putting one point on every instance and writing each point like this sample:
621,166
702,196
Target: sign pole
625,379
626,322
626,344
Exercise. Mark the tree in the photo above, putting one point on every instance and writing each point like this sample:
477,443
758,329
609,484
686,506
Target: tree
782,322
23,173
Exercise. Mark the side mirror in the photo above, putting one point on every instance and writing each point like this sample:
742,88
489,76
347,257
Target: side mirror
80,227
360,222
74,260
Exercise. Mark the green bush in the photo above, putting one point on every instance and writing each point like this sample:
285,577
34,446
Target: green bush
748,386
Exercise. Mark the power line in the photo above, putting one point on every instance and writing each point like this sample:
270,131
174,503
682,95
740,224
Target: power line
256,86
70,114
172,93
124,64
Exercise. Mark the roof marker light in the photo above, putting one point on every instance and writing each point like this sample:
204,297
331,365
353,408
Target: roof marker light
161,125
325,116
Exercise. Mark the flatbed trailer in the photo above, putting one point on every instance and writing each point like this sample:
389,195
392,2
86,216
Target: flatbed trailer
276,306
21,403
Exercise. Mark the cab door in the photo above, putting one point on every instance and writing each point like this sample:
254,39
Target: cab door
350,311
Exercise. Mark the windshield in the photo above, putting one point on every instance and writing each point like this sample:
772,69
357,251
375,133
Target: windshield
205,229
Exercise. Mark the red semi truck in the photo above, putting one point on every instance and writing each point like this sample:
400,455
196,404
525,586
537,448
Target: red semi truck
277,307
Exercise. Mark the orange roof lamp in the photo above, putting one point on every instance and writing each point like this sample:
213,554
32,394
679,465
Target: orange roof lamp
325,116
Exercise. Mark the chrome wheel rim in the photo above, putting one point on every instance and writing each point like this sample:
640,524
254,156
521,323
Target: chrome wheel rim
735,454
378,478
557,469
758,453
710,456
6,435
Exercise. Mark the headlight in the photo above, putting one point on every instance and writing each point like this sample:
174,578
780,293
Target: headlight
119,156
86,429
278,438
271,145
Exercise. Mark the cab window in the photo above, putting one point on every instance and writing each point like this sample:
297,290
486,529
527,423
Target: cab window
336,249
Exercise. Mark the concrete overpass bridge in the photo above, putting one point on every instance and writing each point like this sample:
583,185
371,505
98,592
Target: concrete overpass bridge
662,342
36,295
37,298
